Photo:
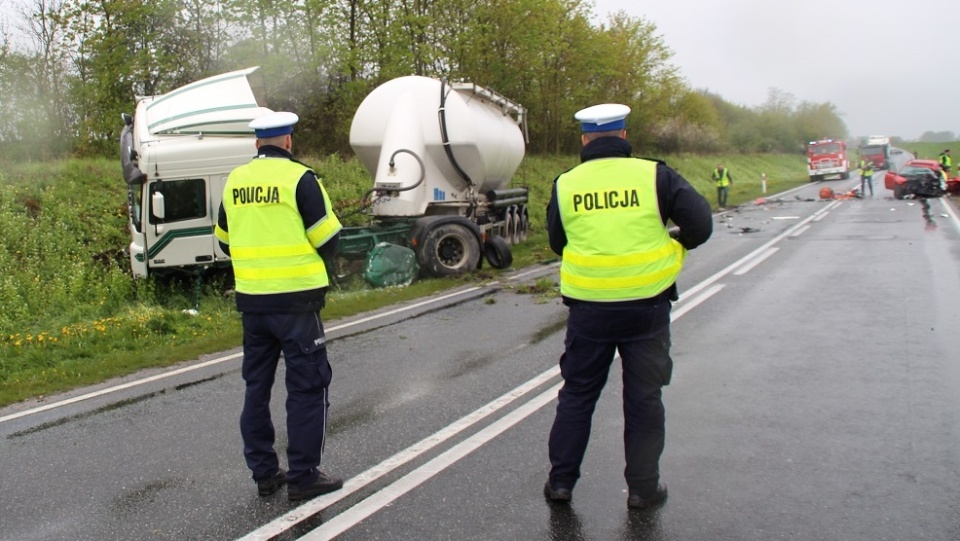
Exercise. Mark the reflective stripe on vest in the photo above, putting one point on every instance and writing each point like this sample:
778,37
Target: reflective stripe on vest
270,250
617,246
721,177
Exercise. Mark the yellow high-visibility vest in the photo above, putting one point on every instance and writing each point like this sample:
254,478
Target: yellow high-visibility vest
721,177
617,246
269,247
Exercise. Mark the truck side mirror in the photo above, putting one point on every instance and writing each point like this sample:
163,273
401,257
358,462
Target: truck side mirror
158,206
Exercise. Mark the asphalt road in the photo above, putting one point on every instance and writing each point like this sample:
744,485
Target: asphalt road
814,397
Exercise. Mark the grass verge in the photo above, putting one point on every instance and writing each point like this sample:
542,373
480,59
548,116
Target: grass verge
71,315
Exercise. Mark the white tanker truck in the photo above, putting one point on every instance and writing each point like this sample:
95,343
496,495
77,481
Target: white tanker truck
441,155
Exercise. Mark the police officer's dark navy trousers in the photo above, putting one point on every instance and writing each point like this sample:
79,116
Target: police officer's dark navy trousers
595,332
301,338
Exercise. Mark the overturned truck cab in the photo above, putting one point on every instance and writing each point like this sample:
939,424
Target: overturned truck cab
177,151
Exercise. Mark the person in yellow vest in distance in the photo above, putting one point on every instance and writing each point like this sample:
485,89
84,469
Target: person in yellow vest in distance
277,224
607,218
866,177
945,161
721,176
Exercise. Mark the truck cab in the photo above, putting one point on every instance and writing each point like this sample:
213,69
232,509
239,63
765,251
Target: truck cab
827,159
876,149
177,151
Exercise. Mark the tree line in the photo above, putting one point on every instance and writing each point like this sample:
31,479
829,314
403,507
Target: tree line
69,68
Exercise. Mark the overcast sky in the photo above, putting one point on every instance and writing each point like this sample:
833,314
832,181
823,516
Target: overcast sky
890,67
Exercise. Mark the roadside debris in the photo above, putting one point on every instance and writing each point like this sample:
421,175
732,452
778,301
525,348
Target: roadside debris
828,193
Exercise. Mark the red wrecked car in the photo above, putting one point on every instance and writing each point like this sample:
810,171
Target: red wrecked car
920,178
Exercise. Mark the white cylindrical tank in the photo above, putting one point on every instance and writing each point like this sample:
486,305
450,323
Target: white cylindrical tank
403,117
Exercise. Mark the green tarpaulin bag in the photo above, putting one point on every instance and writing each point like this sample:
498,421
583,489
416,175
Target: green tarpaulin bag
390,265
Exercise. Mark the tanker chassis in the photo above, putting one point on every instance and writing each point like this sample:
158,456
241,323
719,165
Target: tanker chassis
441,155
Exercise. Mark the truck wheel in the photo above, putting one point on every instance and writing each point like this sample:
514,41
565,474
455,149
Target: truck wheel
448,250
510,226
523,226
497,252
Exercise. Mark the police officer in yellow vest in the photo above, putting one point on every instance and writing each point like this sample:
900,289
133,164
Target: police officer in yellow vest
607,219
278,226
945,161
721,176
866,177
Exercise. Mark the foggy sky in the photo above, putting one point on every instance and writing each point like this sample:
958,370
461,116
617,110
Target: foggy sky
890,67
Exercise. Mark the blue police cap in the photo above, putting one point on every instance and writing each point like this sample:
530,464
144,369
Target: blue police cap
274,124
603,117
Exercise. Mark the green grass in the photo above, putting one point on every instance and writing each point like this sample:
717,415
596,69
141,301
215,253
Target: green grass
931,151
71,315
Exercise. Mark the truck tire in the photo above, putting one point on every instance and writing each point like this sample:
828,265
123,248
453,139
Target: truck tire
497,252
510,226
448,250
523,227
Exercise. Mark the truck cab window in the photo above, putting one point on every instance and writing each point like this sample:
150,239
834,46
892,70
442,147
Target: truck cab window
183,199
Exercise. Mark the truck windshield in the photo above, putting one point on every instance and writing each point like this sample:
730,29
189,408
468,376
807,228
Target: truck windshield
820,150
872,150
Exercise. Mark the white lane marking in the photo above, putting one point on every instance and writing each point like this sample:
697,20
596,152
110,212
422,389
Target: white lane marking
550,266
405,308
733,266
756,261
218,360
800,231
351,517
786,217
287,521
314,506
118,387
820,217
953,214
233,356
693,303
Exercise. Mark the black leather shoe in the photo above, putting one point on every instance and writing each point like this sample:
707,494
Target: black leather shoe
660,496
268,486
322,485
561,494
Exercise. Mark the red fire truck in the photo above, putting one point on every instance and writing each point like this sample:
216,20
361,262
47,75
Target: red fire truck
827,159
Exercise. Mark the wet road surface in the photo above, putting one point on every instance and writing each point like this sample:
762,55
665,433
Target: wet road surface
814,397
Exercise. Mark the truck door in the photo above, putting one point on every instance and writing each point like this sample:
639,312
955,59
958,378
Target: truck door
137,211
180,226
